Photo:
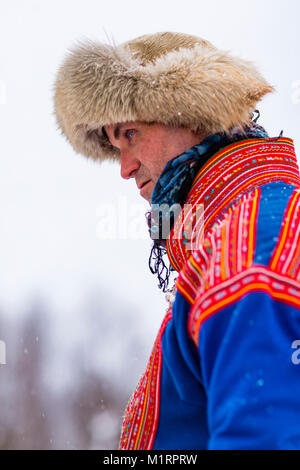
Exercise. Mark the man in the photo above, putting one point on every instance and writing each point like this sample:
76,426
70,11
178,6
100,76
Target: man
178,115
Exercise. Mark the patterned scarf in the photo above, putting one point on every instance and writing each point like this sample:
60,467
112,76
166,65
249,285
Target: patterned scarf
174,185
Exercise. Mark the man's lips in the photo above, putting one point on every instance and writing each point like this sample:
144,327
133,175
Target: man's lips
141,185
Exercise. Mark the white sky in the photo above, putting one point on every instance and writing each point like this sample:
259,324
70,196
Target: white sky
49,195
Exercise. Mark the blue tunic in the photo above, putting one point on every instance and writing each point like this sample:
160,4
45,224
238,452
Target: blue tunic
224,372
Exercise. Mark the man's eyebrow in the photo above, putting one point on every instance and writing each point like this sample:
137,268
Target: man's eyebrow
118,128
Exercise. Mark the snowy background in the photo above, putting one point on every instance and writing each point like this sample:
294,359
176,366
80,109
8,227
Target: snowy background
78,313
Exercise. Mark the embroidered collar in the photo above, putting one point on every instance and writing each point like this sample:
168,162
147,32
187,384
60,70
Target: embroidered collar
225,177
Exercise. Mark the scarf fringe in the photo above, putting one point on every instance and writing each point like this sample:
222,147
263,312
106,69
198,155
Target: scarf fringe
159,267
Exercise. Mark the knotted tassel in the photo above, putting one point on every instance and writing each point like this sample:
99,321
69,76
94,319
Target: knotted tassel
158,266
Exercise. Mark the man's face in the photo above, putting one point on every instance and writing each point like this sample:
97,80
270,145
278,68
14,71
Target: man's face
146,148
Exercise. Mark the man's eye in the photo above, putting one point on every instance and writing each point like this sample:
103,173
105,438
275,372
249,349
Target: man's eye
129,133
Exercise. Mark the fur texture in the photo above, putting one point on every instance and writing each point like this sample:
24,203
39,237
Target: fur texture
170,78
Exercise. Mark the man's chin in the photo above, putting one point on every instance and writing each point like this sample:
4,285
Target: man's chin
147,192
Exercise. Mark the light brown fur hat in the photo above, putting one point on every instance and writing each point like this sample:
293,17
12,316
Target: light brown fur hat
169,78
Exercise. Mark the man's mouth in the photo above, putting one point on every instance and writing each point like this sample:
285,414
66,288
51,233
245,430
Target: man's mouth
144,184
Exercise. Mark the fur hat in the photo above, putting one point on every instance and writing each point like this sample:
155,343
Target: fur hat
169,78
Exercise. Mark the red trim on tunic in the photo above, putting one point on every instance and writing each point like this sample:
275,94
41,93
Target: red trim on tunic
230,174
142,411
255,279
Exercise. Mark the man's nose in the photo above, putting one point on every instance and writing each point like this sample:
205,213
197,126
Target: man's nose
129,166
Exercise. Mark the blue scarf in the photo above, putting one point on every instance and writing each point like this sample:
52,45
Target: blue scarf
175,183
